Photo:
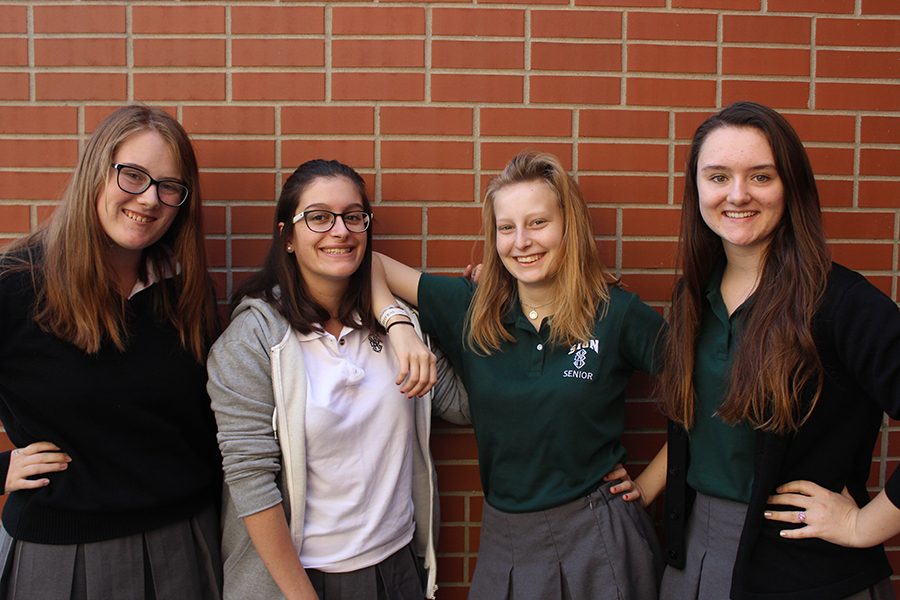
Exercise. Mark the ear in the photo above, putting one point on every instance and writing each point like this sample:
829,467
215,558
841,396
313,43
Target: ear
280,227
288,247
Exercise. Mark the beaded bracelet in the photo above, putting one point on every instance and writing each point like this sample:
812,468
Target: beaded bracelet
388,328
389,313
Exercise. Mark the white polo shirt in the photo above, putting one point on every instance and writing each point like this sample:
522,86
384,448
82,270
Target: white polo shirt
359,452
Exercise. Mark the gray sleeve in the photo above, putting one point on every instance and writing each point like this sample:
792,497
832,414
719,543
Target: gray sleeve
240,388
449,399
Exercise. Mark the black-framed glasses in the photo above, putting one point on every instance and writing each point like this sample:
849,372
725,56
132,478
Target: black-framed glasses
135,180
321,221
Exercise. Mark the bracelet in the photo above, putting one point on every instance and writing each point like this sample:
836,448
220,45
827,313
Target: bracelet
388,328
390,312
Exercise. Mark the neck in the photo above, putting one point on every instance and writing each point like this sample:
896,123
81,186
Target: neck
328,294
532,295
125,266
741,276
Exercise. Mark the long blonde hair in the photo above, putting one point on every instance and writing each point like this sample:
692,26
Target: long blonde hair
77,296
579,284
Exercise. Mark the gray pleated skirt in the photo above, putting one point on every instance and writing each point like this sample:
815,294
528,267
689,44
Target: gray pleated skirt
398,577
593,548
713,534
174,562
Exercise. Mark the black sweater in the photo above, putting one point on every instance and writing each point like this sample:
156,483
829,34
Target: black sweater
137,425
857,333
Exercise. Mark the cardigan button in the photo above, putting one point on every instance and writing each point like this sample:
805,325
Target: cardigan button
673,554
674,515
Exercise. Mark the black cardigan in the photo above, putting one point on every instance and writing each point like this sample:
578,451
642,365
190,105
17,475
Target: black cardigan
857,333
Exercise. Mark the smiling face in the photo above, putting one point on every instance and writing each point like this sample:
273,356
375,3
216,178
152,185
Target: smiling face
329,258
529,233
741,194
134,222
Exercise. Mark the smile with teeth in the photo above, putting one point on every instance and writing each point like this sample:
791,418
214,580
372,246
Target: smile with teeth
336,251
739,214
528,259
136,217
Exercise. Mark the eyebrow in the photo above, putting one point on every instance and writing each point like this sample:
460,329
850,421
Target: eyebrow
147,171
323,206
724,168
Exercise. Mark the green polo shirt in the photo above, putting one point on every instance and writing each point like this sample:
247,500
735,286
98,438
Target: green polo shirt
721,454
548,419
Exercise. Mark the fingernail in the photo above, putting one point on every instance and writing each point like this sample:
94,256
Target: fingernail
768,513
782,533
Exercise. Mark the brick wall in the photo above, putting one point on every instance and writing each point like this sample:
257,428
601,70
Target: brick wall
428,100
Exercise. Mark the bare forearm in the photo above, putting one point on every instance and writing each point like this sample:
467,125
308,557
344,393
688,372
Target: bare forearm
652,480
401,280
269,532
877,522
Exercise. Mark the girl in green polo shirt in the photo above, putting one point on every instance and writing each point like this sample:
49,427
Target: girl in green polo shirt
545,347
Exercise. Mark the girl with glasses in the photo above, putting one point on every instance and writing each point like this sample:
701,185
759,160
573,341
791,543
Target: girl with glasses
545,345
330,488
105,316
779,366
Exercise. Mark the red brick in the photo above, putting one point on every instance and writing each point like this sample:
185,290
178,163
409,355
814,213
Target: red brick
777,94
359,154
79,19
864,226
173,20
476,88
623,123
180,86
38,153
651,221
79,86
453,446
870,256
44,212
179,53
77,52
536,122
622,3
671,92
15,219
252,219
453,538
249,252
831,161
278,86
875,129
425,187
879,194
453,508
277,19
593,25
38,119
880,7
581,89
26,185
478,22
397,220
230,119
453,54
378,53
812,6
378,86
426,155
14,52
575,56
454,253
857,96
623,157
457,220
238,186
857,32
874,161
765,61
721,4
13,19
619,189
426,120
406,251
327,119
671,26
214,220
835,192
867,64
495,155
278,53
378,21
235,153
671,59
766,29
824,128
603,221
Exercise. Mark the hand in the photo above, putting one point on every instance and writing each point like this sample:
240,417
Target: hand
34,459
823,513
418,365
472,273
627,484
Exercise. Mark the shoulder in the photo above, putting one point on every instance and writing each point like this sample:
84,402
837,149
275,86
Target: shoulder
847,288
255,319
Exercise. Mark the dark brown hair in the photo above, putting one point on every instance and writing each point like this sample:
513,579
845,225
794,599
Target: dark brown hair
776,358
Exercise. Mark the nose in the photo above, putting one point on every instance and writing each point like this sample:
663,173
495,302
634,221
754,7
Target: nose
738,192
339,228
150,196
523,240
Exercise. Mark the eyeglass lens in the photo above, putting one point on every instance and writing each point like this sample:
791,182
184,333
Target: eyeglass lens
136,181
321,221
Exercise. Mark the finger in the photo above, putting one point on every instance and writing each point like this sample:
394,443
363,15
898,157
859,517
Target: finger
412,378
41,468
807,488
618,472
625,486
785,516
797,500
50,457
38,447
797,534
846,494
29,484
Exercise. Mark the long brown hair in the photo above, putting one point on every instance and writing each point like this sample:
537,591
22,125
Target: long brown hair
579,284
280,281
77,296
776,358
